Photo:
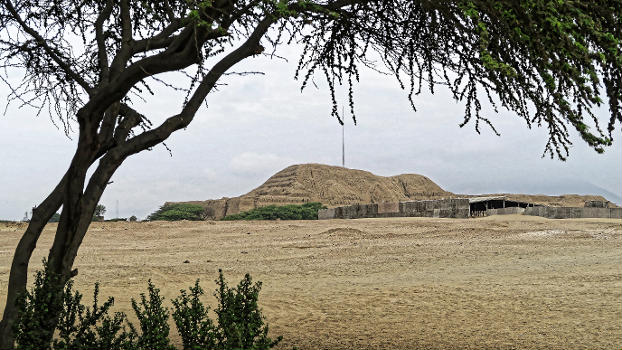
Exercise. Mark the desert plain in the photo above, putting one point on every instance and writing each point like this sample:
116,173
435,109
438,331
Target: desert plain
499,282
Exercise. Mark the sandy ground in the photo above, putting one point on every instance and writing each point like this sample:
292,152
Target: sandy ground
489,283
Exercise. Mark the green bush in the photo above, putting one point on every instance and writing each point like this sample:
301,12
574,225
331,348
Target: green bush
34,325
307,211
153,321
83,328
196,329
178,211
240,324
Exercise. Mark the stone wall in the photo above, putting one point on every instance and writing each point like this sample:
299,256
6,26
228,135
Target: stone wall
597,204
574,212
459,208
388,209
356,211
444,208
505,211
324,214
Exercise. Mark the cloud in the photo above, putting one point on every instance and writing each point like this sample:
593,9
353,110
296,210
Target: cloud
251,163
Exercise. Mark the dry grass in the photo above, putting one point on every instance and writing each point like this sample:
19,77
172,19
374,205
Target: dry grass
498,282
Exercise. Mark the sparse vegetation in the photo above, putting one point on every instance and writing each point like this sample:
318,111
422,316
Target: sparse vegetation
240,323
133,218
178,211
116,219
307,211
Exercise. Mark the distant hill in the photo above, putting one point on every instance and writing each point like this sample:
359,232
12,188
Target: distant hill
335,186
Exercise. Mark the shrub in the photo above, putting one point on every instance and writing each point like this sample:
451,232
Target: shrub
196,329
153,321
240,322
83,328
34,324
307,211
178,211
133,218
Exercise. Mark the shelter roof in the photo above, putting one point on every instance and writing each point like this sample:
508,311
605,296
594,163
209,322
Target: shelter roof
485,199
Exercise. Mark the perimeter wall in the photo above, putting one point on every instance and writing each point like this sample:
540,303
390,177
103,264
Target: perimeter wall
444,208
459,208
574,212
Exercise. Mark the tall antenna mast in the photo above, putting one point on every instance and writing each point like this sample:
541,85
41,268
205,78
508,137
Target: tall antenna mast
343,133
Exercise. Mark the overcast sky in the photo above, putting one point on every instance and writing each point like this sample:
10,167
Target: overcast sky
258,125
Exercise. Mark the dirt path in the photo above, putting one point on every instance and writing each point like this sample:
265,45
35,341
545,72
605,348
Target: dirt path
497,282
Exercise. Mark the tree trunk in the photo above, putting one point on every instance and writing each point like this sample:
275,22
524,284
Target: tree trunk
67,193
113,147
19,268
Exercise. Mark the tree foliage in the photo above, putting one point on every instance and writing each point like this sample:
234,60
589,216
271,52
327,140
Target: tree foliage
307,211
551,62
98,214
178,211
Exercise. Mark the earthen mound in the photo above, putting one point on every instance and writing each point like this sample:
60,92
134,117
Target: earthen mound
337,186
331,185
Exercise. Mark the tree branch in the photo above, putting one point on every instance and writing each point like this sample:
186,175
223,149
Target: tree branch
52,52
102,54
158,41
107,126
125,51
131,119
152,137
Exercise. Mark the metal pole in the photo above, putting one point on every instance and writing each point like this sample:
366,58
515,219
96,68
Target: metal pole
343,142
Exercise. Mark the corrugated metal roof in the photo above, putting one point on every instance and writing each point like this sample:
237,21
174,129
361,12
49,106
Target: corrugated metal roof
484,199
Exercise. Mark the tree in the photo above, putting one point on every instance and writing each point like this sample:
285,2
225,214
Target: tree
98,213
550,62
178,211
